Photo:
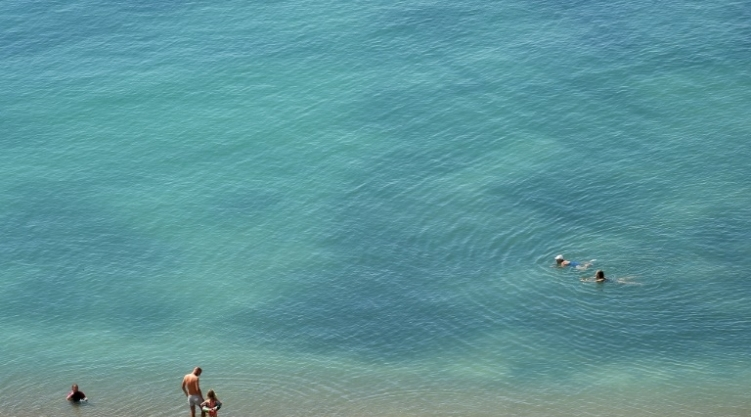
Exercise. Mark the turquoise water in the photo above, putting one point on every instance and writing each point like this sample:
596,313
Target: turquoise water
352,208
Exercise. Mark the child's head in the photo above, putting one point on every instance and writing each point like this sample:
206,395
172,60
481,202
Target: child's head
211,394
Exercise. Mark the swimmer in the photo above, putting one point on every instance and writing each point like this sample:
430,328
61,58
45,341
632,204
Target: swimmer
600,278
560,262
75,395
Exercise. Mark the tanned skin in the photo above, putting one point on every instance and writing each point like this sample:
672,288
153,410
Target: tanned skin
191,387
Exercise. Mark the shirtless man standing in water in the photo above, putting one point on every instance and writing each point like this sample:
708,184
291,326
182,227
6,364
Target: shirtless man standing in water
192,390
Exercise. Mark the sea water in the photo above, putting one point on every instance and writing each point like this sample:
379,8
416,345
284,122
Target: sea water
351,208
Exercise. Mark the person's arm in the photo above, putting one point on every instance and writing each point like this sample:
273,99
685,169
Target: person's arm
183,387
70,396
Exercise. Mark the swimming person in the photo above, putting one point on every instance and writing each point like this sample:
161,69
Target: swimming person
598,278
75,395
560,262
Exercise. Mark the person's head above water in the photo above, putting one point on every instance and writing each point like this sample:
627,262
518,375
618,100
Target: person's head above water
600,276
559,259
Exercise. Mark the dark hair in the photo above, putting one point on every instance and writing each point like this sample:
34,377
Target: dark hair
600,274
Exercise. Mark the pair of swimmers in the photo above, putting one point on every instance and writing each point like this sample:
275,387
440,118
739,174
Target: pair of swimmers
562,263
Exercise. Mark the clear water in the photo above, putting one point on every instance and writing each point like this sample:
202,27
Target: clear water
352,208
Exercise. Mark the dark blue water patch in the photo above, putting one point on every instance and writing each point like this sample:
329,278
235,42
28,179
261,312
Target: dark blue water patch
92,43
22,134
391,294
229,204
278,34
388,310
426,25
723,235
621,326
736,16
645,36
42,26
360,312
390,291
396,31
397,38
151,9
73,259
585,113
604,200
432,117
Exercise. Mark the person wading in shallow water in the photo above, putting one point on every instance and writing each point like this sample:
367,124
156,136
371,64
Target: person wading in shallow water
75,395
211,405
192,390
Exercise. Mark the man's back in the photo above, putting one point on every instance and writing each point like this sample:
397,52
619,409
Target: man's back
191,383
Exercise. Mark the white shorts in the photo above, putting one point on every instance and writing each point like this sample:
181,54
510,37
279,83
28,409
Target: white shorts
194,400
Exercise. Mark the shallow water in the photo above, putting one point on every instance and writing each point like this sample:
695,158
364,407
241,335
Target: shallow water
352,208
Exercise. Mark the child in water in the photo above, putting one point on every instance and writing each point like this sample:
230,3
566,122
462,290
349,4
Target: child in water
211,405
